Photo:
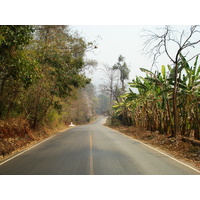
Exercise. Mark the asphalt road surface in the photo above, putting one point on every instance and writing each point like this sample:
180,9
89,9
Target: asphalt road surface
93,150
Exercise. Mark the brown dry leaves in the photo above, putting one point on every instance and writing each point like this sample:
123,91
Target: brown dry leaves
16,135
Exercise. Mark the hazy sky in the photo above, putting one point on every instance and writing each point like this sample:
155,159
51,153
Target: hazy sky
113,41
126,40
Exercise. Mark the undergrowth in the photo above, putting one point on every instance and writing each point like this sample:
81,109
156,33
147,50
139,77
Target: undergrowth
16,134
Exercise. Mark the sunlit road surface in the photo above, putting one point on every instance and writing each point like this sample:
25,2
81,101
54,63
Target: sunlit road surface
93,150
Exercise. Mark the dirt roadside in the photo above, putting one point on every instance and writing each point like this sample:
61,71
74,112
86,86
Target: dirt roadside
16,136
11,146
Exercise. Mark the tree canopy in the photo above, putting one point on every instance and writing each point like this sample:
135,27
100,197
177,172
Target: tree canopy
40,67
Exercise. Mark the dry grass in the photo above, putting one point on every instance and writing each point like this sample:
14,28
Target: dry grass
16,135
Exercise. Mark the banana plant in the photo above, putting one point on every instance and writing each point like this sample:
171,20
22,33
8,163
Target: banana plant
162,94
190,96
123,109
152,106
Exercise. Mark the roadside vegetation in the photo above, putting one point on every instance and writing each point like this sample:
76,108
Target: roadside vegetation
43,85
165,110
168,100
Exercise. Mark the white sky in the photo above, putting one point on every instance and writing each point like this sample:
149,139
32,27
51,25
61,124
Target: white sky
126,40
113,41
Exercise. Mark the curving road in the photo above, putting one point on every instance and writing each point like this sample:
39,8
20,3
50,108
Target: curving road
93,149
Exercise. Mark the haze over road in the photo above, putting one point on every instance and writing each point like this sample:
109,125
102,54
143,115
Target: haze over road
92,149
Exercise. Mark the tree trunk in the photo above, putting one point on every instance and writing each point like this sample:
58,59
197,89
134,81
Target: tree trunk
175,109
123,86
196,130
169,121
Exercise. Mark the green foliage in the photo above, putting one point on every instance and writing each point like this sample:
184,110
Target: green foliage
12,36
17,69
52,118
152,107
40,67
123,69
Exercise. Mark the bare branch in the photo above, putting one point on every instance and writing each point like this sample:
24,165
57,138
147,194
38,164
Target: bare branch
193,57
159,42
165,42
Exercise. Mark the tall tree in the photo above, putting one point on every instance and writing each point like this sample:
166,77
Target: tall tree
111,83
60,56
123,69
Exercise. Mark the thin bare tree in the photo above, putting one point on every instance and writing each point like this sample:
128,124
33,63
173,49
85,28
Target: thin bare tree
111,82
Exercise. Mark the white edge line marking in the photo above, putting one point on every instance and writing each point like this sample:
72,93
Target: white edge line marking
156,150
30,148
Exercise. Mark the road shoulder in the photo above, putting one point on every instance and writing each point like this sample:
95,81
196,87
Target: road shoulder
176,149
31,144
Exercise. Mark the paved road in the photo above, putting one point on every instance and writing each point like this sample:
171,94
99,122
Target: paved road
92,149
